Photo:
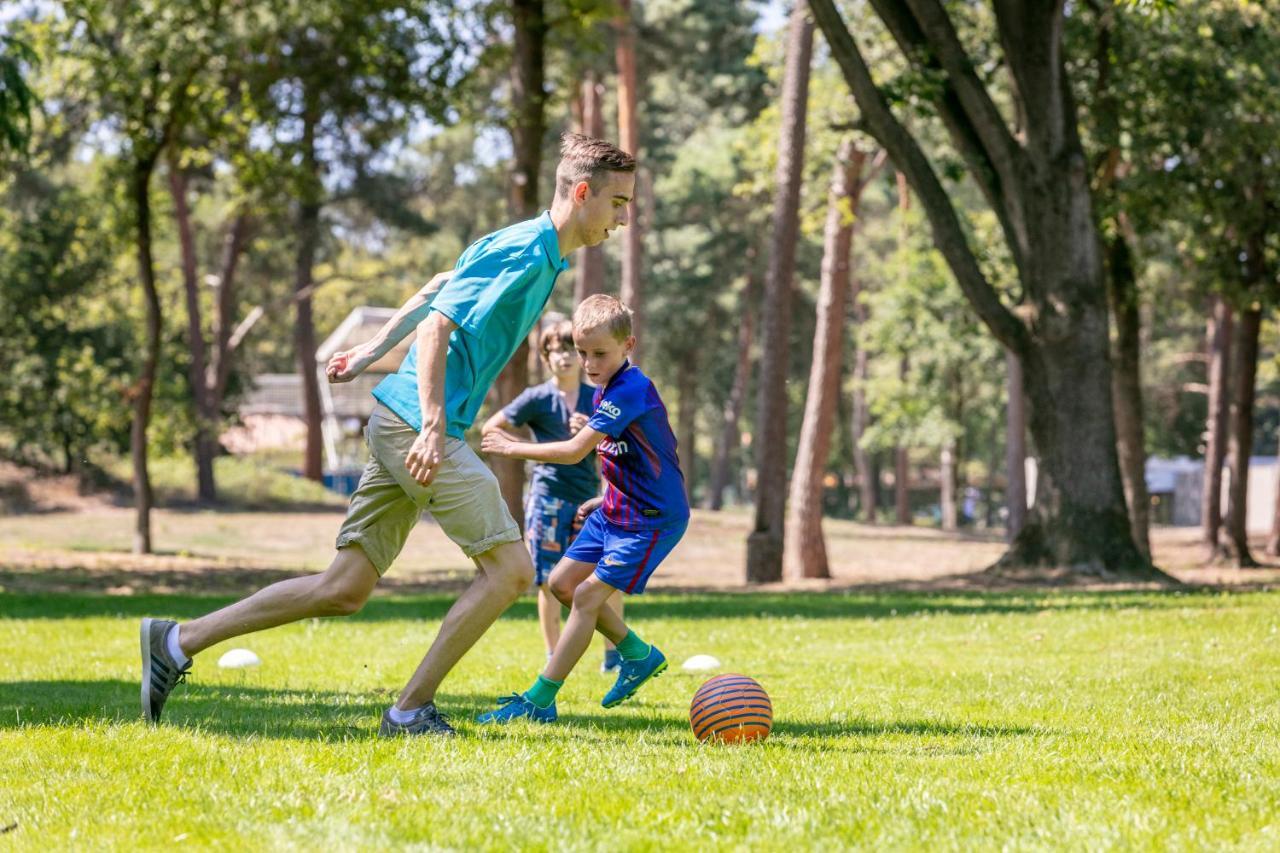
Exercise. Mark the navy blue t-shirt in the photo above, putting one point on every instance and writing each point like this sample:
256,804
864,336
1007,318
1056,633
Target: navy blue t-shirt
638,459
543,409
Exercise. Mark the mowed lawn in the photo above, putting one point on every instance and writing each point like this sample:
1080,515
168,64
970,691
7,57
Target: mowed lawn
1056,720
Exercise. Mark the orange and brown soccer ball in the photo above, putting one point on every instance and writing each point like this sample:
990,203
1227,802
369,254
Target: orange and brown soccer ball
731,708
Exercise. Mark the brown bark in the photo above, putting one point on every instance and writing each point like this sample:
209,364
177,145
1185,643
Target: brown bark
304,333
947,484
1240,445
590,272
1038,185
765,543
868,473
1218,337
1273,540
687,421
1126,388
527,131
233,248
729,443
805,551
142,391
632,289
1015,447
205,441
901,486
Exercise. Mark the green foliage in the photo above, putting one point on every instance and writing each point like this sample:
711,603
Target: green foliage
65,357
15,97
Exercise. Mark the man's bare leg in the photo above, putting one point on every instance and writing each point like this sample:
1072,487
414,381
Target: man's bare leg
340,590
505,571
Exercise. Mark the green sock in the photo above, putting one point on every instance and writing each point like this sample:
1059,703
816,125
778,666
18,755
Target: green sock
631,647
543,692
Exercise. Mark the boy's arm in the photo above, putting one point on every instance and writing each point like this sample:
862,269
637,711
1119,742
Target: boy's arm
497,421
433,348
567,452
347,365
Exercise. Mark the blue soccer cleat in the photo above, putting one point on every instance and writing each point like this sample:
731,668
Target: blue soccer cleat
517,707
634,673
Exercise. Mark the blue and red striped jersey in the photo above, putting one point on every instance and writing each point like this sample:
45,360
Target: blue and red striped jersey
638,457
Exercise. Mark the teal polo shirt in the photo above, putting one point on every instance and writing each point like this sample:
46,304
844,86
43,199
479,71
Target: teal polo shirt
496,294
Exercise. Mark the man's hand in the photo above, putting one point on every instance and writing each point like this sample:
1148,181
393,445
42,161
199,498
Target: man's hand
498,442
577,421
425,456
586,508
347,365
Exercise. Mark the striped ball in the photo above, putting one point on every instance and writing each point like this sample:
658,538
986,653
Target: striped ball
731,708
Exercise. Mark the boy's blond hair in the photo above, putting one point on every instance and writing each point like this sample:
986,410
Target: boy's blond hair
602,312
585,158
561,332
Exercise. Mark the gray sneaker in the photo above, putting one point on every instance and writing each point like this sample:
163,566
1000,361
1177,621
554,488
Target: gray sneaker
160,672
426,721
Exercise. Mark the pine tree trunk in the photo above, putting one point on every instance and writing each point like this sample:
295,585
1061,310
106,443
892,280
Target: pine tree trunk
868,472
1126,389
1015,447
1218,336
304,333
805,552
527,131
947,485
687,421
729,445
1240,445
205,441
901,486
765,543
590,261
632,289
145,386
233,248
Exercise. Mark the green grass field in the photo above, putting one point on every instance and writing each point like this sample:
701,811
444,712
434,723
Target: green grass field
1072,720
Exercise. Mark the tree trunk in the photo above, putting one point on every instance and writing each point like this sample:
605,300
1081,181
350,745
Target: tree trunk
1240,446
590,273
947,485
901,486
1126,388
205,441
304,333
764,545
687,421
233,248
1273,540
632,288
1218,335
730,441
868,473
142,393
1037,183
1015,447
527,131
805,552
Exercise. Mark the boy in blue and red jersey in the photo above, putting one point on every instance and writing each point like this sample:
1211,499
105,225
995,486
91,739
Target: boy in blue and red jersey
629,532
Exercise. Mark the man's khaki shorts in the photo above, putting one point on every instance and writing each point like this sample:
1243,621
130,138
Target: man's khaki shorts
463,498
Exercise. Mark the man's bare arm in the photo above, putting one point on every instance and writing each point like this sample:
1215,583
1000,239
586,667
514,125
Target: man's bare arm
347,365
433,348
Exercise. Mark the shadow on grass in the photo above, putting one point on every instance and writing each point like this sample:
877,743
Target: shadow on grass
250,711
793,605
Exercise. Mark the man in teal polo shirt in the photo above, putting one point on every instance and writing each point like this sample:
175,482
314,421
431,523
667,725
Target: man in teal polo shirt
468,325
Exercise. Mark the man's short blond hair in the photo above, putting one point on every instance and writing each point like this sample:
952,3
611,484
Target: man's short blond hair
602,312
585,158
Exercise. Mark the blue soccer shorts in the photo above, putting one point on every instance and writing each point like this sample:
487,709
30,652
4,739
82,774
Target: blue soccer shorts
624,558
